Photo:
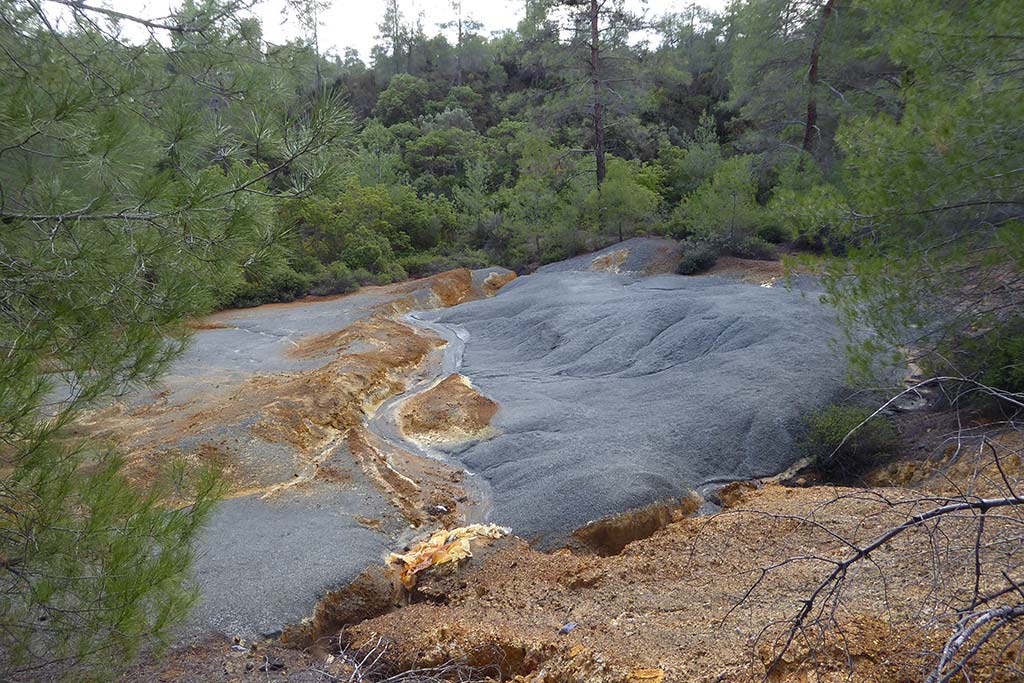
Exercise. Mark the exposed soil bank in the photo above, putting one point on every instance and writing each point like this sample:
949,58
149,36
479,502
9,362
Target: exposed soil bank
704,599
708,599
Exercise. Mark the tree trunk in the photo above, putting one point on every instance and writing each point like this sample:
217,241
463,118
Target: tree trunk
458,53
595,77
812,78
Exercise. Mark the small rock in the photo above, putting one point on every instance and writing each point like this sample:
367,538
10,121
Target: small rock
437,510
273,633
568,628
239,648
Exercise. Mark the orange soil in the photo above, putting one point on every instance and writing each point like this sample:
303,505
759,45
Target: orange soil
313,411
674,603
691,602
611,262
749,270
452,411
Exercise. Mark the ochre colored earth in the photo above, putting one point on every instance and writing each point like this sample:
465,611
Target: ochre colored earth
704,599
451,411
312,411
656,596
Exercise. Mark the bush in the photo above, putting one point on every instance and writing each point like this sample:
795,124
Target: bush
750,248
826,430
995,358
336,278
367,249
391,272
364,277
697,258
424,264
773,233
724,207
279,284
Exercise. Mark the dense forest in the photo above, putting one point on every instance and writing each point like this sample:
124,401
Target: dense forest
143,182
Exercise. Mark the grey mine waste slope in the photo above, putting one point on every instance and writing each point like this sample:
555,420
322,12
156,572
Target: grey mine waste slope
617,391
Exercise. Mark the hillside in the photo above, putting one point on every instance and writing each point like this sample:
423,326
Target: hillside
623,574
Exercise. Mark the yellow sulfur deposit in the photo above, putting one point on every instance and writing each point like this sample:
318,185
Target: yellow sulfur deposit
443,547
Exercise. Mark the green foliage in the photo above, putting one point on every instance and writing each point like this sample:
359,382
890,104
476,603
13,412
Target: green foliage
440,157
623,207
697,258
335,278
366,248
135,194
751,247
773,233
841,447
723,209
931,197
96,565
423,264
695,163
330,226
403,100
812,215
994,358
277,283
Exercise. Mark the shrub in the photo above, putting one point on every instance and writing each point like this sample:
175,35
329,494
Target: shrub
364,277
279,284
391,272
367,249
424,264
336,278
724,207
995,358
750,248
697,258
827,429
773,233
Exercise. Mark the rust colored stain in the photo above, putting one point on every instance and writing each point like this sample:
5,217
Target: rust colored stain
673,604
311,411
610,263
451,411
496,281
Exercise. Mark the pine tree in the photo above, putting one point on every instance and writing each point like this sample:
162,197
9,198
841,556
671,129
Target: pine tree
137,187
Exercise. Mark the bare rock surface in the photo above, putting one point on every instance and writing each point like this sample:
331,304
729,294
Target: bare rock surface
617,392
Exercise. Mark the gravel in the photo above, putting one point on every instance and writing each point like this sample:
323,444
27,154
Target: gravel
617,392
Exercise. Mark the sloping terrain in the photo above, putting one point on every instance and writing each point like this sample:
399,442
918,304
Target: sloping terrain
346,427
279,398
616,392
637,256
705,599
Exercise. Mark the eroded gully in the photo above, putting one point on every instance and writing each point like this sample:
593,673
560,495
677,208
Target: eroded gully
384,421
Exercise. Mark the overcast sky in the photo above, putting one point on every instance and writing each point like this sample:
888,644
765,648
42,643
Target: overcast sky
353,23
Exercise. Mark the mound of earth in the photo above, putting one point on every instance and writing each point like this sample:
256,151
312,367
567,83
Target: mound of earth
707,599
452,411
687,606
639,255
617,392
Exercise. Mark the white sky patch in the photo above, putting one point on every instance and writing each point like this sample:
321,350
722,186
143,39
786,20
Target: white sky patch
353,23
